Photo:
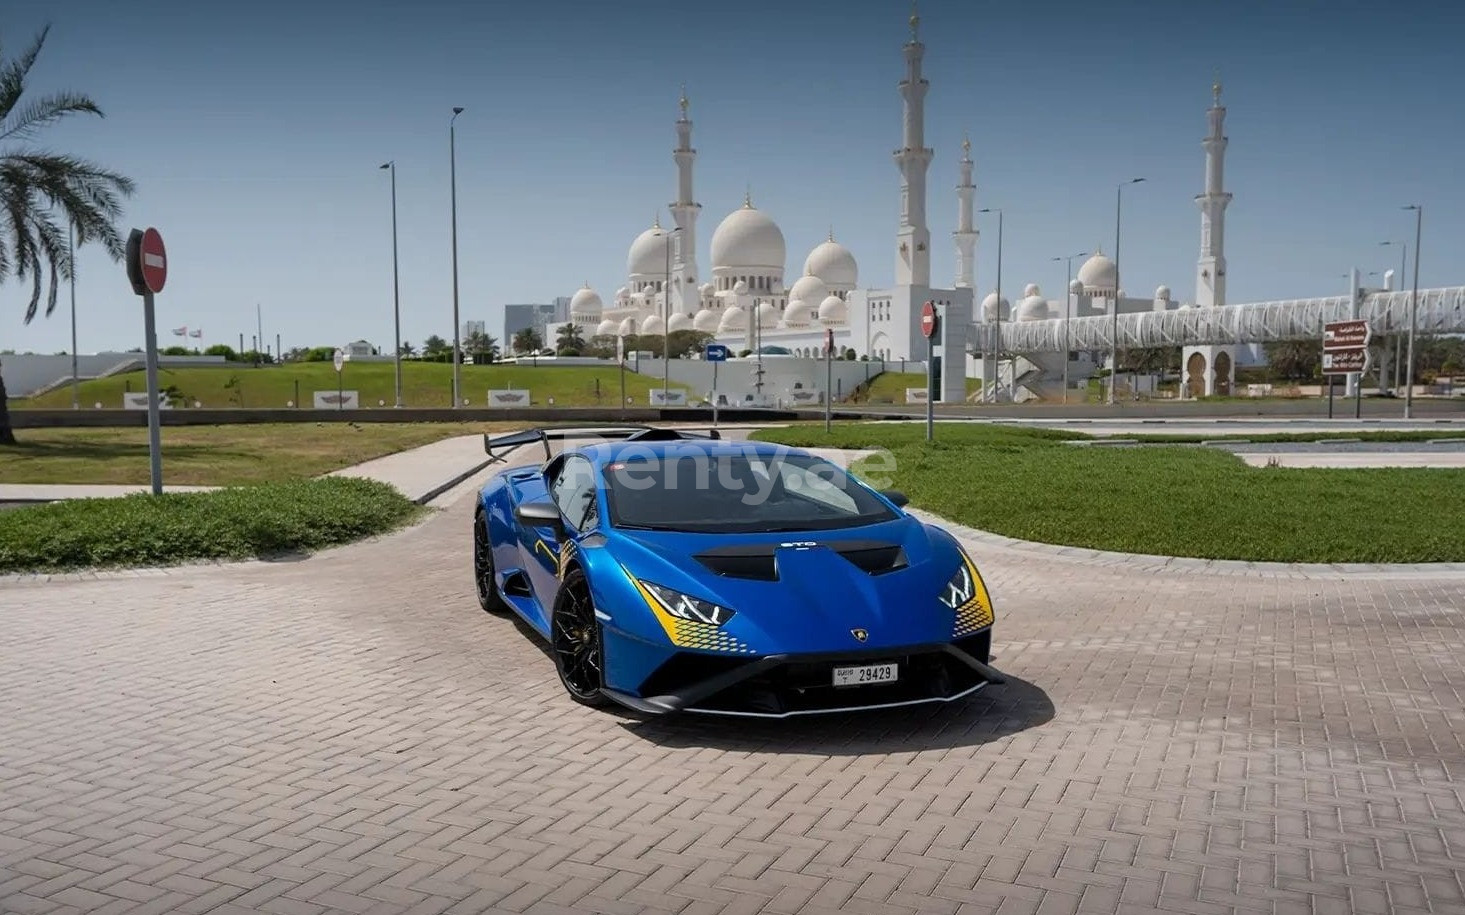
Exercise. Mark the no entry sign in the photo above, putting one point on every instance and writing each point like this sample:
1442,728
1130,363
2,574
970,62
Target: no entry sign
147,261
928,320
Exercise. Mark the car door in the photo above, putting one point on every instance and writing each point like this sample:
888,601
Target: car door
571,486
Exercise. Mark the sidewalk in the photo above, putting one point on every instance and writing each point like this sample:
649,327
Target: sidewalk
420,473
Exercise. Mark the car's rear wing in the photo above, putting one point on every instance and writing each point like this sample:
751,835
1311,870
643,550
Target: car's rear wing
505,444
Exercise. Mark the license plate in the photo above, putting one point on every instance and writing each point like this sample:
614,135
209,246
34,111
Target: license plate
871,673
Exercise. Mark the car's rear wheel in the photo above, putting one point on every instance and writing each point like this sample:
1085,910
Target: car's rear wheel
576,640
483,574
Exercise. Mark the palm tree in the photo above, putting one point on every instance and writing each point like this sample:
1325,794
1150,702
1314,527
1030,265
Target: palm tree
35,183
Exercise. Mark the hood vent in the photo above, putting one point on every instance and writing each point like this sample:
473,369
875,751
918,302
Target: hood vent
759,562
754,560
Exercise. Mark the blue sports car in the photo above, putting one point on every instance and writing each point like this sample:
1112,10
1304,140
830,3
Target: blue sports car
672,571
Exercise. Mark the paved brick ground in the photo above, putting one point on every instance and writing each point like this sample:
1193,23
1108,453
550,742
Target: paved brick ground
351,734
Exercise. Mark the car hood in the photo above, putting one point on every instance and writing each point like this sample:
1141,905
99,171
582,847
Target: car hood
811,590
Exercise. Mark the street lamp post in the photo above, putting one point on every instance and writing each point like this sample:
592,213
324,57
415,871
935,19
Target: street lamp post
453,193
1067,313
1403,247
75,377
1118,204
1413,308
997,335
396,288
666,321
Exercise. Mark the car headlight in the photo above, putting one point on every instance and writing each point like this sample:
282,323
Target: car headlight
689,608
960,589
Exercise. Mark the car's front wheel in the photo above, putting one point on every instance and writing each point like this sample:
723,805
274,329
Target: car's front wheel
483,574
576,641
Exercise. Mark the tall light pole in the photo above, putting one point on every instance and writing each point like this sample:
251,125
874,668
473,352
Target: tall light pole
453,193
396,288
1118,204
997,336
666,321
1067,312
1413,309
71,255
1403,247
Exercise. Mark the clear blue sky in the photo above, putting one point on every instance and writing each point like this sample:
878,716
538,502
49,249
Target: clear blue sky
255,132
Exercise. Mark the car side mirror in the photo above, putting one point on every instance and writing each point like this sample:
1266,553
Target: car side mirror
540,514
896,496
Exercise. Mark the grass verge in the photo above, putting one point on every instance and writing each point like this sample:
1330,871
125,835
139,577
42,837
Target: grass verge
1165,500
235,523
424,384
223,455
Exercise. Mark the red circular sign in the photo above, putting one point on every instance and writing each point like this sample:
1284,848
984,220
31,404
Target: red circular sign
928,319
153,260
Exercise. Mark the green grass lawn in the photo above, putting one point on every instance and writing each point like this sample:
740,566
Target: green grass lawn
215,455
424,384
1167,500
1372,435
889,387
234,523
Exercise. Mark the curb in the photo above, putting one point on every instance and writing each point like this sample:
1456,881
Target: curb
441,488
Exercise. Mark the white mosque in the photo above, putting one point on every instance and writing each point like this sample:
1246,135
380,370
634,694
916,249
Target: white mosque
746,302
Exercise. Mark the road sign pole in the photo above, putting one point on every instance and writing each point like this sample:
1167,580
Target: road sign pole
828,379
155,438
1331,380
930,380
714,394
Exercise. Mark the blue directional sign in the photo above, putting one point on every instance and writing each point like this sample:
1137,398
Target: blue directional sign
716,352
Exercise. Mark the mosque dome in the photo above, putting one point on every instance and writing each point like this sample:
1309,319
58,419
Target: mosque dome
705,321
679,321
1162,292
628,327
798,314
740,287
990,308
585,302
652,326
1075,287
1031,289
833,310
1033,308
607,328
733,319
767,314
748,240
707,289
622,294
1099,274
809,288
834,264
649,252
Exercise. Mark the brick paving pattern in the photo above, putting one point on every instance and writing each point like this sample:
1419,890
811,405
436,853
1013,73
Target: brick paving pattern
349,733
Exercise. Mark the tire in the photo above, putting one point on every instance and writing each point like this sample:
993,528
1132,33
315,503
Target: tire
483,573
576,641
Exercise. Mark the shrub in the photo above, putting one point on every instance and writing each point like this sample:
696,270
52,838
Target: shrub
237,522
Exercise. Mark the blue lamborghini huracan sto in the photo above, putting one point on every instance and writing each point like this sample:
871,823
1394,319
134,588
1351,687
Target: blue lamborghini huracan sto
672,571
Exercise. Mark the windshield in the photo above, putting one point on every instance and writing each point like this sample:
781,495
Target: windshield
737,493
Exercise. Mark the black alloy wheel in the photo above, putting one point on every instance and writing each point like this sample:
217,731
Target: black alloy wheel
483,575
576,640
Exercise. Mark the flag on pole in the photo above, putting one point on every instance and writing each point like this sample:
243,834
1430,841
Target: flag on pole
180,331
196,332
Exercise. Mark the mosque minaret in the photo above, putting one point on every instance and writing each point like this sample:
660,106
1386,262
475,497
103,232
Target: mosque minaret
966,234
684,211
913,249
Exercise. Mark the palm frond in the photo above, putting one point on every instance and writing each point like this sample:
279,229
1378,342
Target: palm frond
14,72
22,123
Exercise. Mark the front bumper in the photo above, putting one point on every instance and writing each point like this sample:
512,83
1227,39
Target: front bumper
785,685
